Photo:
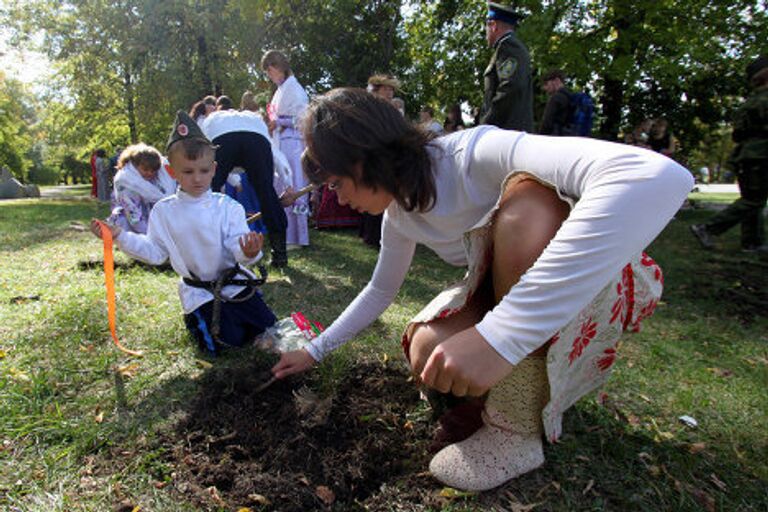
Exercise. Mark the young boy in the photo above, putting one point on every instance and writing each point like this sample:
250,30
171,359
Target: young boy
205,236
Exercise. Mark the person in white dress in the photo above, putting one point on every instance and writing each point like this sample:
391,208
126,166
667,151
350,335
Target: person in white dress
285,112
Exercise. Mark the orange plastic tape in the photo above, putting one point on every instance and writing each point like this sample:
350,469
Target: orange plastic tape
109,281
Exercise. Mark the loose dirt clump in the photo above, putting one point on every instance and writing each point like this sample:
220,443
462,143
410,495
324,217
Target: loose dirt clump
290,448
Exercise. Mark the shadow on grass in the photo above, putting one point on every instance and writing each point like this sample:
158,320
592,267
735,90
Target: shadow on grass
368,447
723,283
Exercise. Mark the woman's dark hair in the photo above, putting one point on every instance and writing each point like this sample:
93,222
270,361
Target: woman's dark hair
277,60
348,126
453,118
224,103
101,153
197,110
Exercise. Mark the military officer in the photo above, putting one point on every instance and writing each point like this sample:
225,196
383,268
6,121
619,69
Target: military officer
508,100
750,162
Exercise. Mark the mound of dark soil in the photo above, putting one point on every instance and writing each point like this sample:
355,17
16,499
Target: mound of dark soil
286,448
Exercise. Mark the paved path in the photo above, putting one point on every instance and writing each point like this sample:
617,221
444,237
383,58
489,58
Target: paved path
66,192
716,188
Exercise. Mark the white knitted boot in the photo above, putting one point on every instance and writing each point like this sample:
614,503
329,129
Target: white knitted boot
509,444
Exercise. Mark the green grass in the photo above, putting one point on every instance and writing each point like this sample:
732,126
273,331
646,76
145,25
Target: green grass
63,410
710,197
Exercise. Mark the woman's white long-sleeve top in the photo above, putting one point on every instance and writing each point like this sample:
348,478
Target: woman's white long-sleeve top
622,198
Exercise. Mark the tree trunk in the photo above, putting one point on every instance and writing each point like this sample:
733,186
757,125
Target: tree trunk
626,22
130,106
204,65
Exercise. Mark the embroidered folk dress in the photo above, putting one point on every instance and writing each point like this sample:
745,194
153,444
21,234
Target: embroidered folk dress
286,108
591,281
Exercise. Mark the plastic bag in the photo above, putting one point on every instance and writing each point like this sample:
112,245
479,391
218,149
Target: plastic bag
292,333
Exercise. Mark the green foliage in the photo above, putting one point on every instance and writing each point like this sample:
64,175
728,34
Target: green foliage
124,68
16,137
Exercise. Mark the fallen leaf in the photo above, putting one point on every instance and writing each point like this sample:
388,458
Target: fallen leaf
704,499
325,494
99,418
137,508
721,372
2,354
654,470
452,494
260,499
645,398
582,458
696,447
19,375
203,364
718,483
304,480
244,509
160,485
588,488
213,492
128,370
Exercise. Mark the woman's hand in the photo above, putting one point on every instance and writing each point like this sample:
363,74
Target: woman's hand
251,244
465,364
288,197
296,361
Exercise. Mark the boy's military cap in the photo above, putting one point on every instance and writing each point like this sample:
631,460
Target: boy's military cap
505,13
184,128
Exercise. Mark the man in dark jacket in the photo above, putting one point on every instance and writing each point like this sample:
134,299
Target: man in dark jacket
508,100
558,109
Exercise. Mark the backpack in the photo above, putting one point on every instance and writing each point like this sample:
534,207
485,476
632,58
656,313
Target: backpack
582,114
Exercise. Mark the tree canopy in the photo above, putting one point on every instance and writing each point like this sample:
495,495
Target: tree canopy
124,67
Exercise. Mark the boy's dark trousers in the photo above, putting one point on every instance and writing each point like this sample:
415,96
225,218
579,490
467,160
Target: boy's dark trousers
748,209
239,322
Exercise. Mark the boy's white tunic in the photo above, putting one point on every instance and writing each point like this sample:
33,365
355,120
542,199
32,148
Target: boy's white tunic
200,236
622,197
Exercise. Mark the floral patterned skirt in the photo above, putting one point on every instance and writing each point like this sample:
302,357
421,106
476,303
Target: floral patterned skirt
580,355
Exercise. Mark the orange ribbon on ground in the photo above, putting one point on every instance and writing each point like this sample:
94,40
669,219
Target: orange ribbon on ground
109,281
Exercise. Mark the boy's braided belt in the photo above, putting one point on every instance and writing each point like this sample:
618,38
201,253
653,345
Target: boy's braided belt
227,278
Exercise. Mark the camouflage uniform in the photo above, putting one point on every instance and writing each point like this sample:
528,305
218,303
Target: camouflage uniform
750,162
508,101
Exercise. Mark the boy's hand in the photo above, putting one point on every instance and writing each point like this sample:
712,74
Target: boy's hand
251,244
96,229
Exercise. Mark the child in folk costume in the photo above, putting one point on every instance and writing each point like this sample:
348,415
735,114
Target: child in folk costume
206,239
285,110
140,182
552,231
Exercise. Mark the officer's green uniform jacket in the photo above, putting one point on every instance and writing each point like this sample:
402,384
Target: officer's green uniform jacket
750,128
508,101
